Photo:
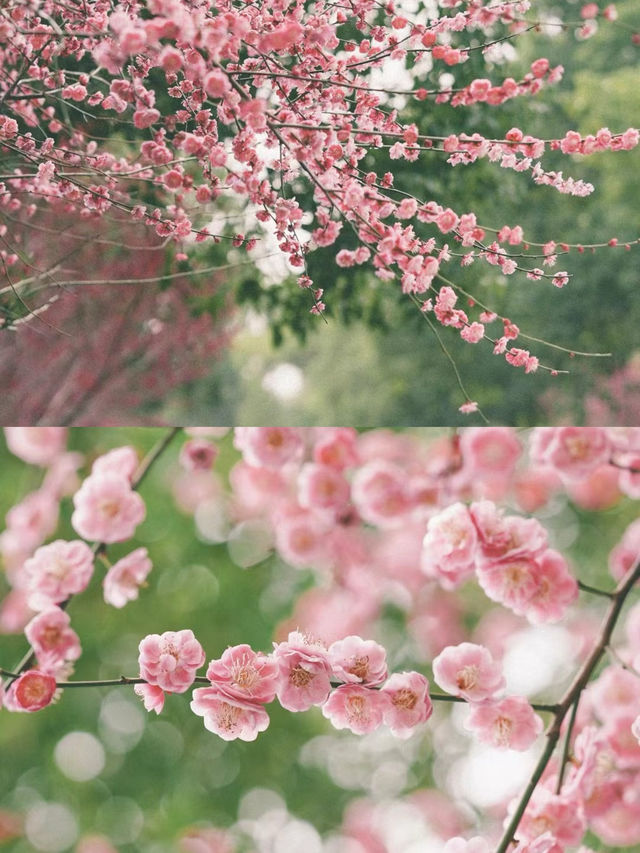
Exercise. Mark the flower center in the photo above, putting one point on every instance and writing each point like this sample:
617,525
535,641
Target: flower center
467,677
405,699
300,677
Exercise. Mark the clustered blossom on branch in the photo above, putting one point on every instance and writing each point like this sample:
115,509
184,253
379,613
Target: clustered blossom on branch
224,103
377,517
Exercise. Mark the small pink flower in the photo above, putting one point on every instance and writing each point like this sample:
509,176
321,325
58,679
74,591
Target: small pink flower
244,675
379,492
561,815
57,571
556,589
336,446
300,538
270,447
304,672
107,509
198,454
170,660
36,445
490,450
356,660
573,451
468,670
505,538
509,723
152,697
124,578
230,719
449,546
51,638
409,702
357,708
33,690
121,460
323,488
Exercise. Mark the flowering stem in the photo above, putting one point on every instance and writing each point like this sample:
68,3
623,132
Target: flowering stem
99,547
567,745
571,697
585,587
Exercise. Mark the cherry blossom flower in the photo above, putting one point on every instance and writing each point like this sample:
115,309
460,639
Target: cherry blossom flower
57,571
508,723
323,488
124,578
228,718
36,445
244,675
52,639
305,670
198,454
107,509
359,661
357,708
449,546
468,670
152,696
32,691
170,660
409,703
121,460
572,451
270,447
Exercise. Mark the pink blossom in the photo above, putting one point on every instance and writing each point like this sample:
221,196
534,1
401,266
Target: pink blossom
57,571
627,552
357,708
300,537
231,719
409,702
336,446
107,509
356,660
244,675
121,460
198,454
36,445
556,589
305,670
505,537
560,815
152,696
52,639
323,488
170,660
629,477
32,691
490,450
572,451
271,447
468,670
122,581
508,723
449,546
378,491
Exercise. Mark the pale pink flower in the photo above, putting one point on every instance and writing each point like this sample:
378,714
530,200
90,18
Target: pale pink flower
270,447
304,672
357,708
230,719
170,660
449,546
409,702
124,578
626,553
256,491
107,509
556,589
490,450
560,815
618,826
463,845
505,537
598,490
545,843
121,460
36,445
356,660
534,486
509,723
32,520
52,639
323,488
56,571
614,693
32,691
468,670
336,446
618,734
152,696
300,537
244,675
629,477
197,454
574,452
379,493
510,582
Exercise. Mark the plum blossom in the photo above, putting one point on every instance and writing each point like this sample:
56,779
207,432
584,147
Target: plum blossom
229,719
378,490
409,703
323,488
449,546
270,447
468,670
56,571
572,451
357,708
198,454
244,675
558,814
359,661
152,697
170,660
305,671
124,578
106,508
31,691
121,460
508,723
36,445
52,639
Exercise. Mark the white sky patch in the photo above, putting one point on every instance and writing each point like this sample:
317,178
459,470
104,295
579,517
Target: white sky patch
285,382
538,658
